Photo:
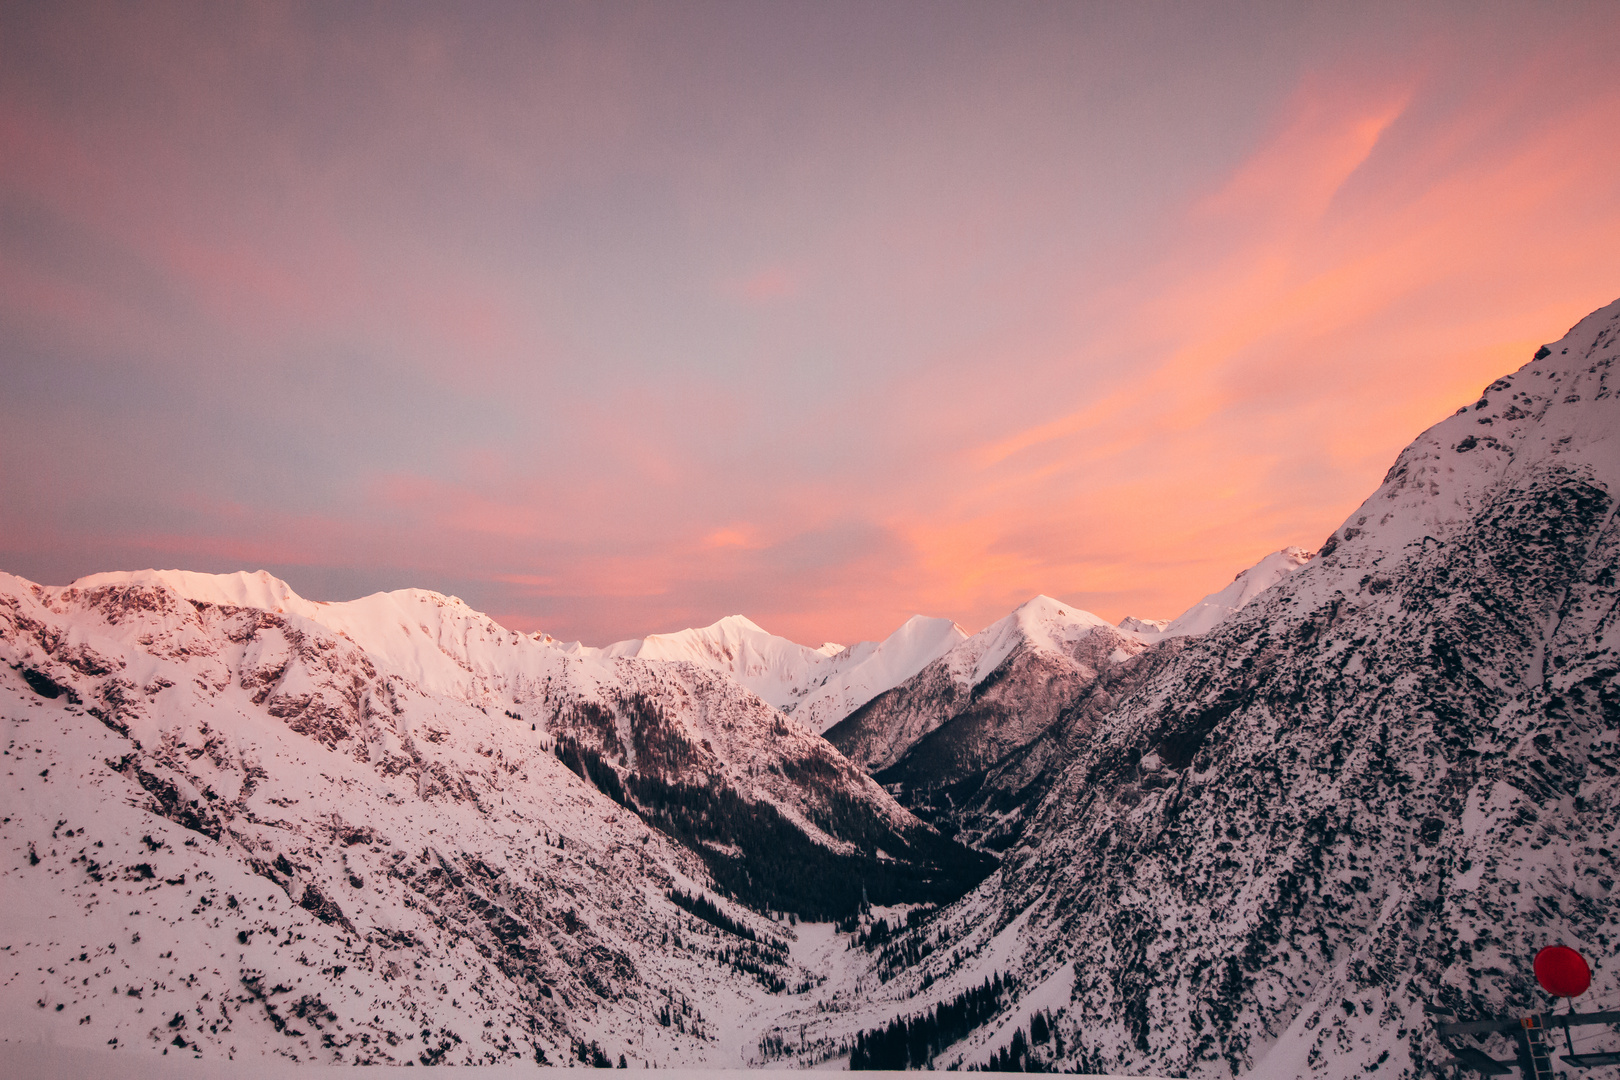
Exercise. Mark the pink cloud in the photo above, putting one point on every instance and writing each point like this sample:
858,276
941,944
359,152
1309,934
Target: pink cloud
767,284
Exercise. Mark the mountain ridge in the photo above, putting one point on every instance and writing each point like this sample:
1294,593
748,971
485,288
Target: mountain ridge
1373,792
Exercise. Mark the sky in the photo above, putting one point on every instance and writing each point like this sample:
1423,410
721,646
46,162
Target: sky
614,319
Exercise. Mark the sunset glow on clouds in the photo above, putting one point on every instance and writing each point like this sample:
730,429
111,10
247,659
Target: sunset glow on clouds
614,321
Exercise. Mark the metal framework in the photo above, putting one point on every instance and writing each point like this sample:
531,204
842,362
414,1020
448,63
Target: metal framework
1534,1059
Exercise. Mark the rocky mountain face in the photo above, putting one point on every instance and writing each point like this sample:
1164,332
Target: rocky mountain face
973,741
233,827
990,808
1042,641
935,738
1378,789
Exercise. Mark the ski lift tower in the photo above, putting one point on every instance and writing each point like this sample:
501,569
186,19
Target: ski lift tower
1563,973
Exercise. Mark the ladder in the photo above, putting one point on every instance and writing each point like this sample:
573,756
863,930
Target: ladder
1534,1060
1534,1057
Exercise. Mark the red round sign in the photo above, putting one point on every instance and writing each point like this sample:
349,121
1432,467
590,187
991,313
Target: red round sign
1562,972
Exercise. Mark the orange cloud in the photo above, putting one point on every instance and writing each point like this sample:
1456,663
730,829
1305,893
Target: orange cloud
1315,312
743,537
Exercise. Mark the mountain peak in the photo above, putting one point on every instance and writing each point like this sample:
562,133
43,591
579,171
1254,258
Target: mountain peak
1047,622
1045,609
244,588
737,623
1248,584
1558,412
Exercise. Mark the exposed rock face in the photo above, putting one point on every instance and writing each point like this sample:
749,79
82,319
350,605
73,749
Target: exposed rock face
990,809
936,739
1385,783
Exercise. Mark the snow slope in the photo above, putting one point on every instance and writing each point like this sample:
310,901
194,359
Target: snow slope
862,672
1218,606
773,667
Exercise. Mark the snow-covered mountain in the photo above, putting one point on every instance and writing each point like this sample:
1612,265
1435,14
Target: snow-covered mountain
818,687
1363,800
776,669
934,737
333,798
862,672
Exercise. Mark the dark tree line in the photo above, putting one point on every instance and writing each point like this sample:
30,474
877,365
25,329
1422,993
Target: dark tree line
1019,1053
761,959
704,908
877,934
589,766
914,1042
780,866
594,1056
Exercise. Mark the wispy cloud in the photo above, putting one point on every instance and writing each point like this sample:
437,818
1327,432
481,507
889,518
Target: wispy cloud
610,329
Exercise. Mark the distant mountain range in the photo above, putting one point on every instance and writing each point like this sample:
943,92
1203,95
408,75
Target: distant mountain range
821,687
1276,835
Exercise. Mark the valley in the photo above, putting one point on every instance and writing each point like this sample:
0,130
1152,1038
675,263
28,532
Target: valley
1273,836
